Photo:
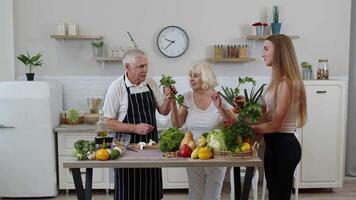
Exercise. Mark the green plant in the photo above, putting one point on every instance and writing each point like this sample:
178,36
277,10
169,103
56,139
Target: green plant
250,109
168,81
306,65
73,116
97,43
275,14
131,39
31,61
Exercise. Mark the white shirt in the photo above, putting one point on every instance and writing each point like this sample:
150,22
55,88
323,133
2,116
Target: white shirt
200,121
116,100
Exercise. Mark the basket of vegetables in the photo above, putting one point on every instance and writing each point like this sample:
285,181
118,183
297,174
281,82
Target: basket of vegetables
238,135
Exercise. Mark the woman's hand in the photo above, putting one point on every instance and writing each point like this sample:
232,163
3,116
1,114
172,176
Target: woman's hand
215,96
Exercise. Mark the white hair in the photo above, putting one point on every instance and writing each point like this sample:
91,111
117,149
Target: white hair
207,75
131,55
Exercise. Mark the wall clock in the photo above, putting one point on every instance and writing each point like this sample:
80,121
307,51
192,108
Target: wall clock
172,41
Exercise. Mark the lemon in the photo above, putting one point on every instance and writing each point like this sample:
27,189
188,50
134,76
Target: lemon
245,147
102,154
205,153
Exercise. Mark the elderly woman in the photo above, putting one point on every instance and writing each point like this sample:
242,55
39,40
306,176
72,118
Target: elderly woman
206,110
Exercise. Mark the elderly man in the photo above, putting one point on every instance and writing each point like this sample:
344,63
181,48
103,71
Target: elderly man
130,106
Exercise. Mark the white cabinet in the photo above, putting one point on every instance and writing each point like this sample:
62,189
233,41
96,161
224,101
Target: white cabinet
174,178
323,136
66,142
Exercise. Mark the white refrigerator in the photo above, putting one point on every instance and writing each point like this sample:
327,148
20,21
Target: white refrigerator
29,111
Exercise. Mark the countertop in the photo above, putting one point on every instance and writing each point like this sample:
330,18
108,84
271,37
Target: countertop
154,158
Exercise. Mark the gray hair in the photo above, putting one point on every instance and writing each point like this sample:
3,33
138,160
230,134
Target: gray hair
207,75
131,55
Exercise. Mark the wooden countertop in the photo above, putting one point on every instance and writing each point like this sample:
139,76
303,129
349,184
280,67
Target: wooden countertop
153,158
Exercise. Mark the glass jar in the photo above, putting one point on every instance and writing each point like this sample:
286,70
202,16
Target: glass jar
323,70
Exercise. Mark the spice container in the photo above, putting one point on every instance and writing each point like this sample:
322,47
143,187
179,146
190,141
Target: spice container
323,70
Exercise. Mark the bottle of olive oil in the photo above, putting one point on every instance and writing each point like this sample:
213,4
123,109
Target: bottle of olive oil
100,126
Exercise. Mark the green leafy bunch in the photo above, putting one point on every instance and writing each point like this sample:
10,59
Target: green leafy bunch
31,61
250,109
131,39
170,140
168,81
82,148
97,43
306,65
275,12
234,134
73,116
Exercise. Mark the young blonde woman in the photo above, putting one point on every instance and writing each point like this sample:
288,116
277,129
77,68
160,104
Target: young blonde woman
206,110
285,103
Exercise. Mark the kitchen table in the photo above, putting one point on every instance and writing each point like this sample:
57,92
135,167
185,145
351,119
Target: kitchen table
152,158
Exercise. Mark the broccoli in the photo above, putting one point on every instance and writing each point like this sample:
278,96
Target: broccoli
170,140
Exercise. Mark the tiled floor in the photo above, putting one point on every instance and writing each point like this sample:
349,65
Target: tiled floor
348,192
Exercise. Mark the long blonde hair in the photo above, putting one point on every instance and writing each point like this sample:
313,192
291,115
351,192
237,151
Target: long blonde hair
285,67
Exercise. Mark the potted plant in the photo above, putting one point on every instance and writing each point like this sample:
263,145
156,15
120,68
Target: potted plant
97,48
275,24
260,27
307,71
31,62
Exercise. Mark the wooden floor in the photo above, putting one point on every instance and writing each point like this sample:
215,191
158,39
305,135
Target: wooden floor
348,192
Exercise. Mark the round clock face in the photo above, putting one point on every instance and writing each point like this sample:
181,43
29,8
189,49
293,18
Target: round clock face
172,41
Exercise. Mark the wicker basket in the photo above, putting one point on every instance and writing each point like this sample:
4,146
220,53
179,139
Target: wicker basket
228,155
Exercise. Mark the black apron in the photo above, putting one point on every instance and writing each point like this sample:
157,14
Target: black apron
140,183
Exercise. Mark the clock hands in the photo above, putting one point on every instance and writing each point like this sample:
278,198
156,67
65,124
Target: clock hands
170,43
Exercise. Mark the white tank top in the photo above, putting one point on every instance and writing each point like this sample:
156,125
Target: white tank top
200,121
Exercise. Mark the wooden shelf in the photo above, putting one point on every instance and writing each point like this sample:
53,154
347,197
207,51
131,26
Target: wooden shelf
263,37
77,37
107,59
227,60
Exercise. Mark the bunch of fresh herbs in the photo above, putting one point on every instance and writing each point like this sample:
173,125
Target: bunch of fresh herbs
168,81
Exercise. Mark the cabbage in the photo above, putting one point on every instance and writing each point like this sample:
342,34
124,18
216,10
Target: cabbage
216,140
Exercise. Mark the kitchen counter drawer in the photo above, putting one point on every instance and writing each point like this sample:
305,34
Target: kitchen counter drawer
100,176
66,141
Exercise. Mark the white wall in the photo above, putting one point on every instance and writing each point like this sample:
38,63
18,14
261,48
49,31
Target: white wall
7,63
324,27
351,127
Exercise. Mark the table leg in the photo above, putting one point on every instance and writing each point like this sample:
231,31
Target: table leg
88,183
247,183
237,181
77,178
116,184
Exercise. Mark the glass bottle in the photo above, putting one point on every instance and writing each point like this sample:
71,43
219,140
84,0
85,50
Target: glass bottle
323,70
100,126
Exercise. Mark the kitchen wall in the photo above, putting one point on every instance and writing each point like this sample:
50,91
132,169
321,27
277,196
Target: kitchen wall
323,25
7,58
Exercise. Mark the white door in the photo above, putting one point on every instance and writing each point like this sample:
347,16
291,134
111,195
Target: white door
320,137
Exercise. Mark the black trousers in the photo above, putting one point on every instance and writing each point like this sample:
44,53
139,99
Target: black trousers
282,155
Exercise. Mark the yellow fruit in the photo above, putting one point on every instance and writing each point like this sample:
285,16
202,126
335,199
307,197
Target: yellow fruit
202,141
195,153
245,147
102,154
205,153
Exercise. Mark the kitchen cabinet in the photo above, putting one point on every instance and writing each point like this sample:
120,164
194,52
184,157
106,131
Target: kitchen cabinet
174,178
67,135
323,136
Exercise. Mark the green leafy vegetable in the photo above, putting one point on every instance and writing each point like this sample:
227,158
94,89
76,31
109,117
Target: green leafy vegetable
215,140
73,116
170,140
168,82
83,148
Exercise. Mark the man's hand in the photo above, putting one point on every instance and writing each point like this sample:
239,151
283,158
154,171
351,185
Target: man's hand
143,129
